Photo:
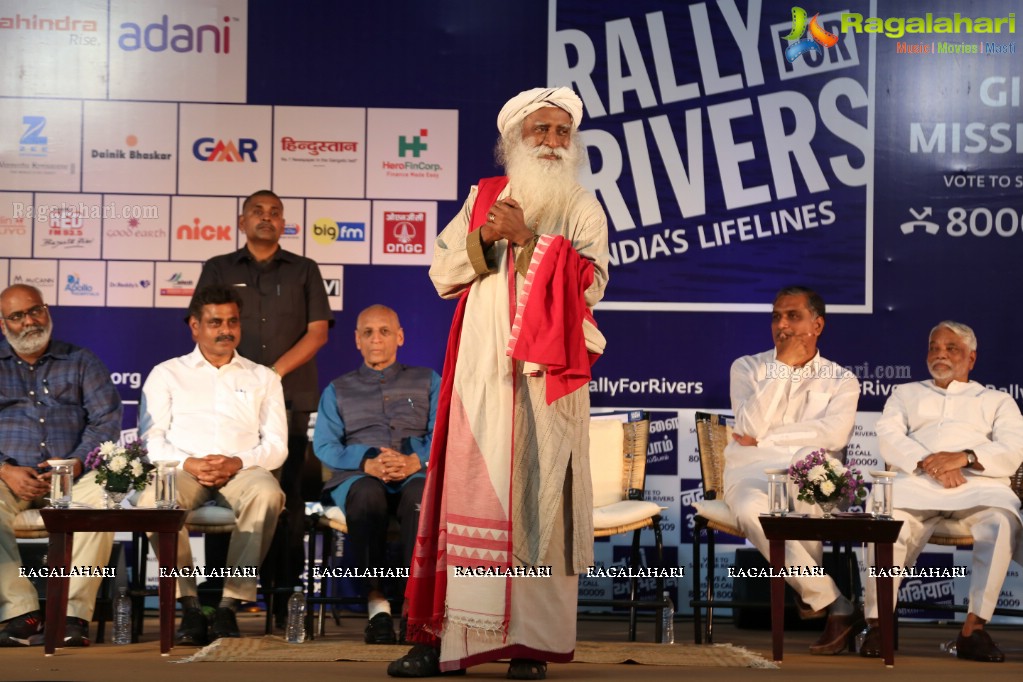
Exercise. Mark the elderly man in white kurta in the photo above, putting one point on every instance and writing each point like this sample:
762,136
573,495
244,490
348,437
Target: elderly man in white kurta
787,402
954,444
222,418
509,482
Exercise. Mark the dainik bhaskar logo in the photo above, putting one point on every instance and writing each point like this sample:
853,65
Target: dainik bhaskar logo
818,39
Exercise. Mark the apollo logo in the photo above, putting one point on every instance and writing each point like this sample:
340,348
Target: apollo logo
159,35
209,149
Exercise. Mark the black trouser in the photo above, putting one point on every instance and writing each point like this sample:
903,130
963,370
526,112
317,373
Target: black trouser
368,509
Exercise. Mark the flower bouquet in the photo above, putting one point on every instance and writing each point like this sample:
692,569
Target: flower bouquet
120,468
824,481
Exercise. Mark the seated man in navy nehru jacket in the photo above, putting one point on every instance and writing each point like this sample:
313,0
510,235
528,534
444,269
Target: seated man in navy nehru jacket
374,430
222,417
56,402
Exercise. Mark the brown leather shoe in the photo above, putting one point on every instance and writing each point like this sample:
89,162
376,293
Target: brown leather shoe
978,647
871,647
836,634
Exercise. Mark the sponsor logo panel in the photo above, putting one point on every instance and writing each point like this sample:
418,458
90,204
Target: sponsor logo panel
224,149
41,144
15,225
174,284
333,281
81,283
202,227
40,273
66,225
319,151
130,147
403,232
412,153
130,284
339,231
136,225
166,50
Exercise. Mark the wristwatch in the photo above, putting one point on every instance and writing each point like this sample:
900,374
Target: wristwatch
971,458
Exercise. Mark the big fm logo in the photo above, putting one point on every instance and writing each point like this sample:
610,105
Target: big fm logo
327,231
415,145
199,232
33,142
405,232
210,149
159,35
818,39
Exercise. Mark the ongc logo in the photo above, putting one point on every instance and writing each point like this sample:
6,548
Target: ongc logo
157,36
199,232
209,149
405,232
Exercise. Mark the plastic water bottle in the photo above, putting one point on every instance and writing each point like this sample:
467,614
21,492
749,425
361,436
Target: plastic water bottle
296,616
122,617
668,622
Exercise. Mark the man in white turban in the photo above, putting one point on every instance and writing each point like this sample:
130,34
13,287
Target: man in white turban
508,488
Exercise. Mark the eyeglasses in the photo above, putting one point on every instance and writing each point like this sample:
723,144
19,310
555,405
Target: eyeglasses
37,312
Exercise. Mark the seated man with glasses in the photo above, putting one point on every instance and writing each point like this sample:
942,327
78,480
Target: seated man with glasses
56,402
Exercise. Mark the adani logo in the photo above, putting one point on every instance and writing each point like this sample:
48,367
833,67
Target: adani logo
327,231
210,149
160,35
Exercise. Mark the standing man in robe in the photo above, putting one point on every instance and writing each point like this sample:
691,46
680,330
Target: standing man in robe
509,482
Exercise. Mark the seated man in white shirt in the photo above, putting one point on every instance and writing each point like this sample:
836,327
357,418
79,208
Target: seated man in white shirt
785,400
223,418
954,444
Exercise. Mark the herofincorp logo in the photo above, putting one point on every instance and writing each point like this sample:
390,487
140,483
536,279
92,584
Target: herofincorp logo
161,35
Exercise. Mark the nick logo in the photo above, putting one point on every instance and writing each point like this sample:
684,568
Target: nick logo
208,149
158,36
207,233
818,39
416,145
33,142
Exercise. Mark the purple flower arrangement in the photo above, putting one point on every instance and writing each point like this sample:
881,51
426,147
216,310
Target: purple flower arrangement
120,468
821,478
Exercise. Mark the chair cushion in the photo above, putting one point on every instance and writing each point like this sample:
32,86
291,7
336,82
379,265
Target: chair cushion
623,513
717,511
607,461
210,515
29,520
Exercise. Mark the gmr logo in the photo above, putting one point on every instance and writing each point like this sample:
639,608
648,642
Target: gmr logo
33,142
157,36
208,149
819,37
415,146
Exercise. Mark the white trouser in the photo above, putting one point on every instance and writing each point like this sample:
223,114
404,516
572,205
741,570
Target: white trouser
995,534
747,499
17,594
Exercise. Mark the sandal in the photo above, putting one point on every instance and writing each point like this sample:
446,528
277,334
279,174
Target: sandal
527,669
422,660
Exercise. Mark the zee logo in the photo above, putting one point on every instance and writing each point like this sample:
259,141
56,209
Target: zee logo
208,149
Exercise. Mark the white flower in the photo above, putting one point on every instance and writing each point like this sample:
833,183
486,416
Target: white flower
817,473
827,487
117,463
136,468
107,449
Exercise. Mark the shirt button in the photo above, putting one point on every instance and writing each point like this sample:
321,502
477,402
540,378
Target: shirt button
263,320
42,420
42,445
31,392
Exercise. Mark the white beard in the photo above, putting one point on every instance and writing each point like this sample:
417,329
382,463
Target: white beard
543,187
31,340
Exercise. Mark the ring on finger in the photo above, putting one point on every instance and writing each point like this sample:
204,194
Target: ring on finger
490,217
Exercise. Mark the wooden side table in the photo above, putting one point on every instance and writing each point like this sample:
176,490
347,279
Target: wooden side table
62,524
882,533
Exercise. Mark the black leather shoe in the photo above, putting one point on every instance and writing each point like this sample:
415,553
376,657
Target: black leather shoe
836,634
193,629
380,630
76,632
225,624
978,647
807,612
871,647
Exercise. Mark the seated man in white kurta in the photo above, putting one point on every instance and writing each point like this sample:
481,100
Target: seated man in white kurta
786,400
954,444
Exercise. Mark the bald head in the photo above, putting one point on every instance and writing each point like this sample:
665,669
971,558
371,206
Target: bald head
378,335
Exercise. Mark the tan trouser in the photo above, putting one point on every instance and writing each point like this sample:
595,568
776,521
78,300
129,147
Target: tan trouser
17,594
256,499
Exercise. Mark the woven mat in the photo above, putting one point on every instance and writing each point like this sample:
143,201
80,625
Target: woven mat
269,649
